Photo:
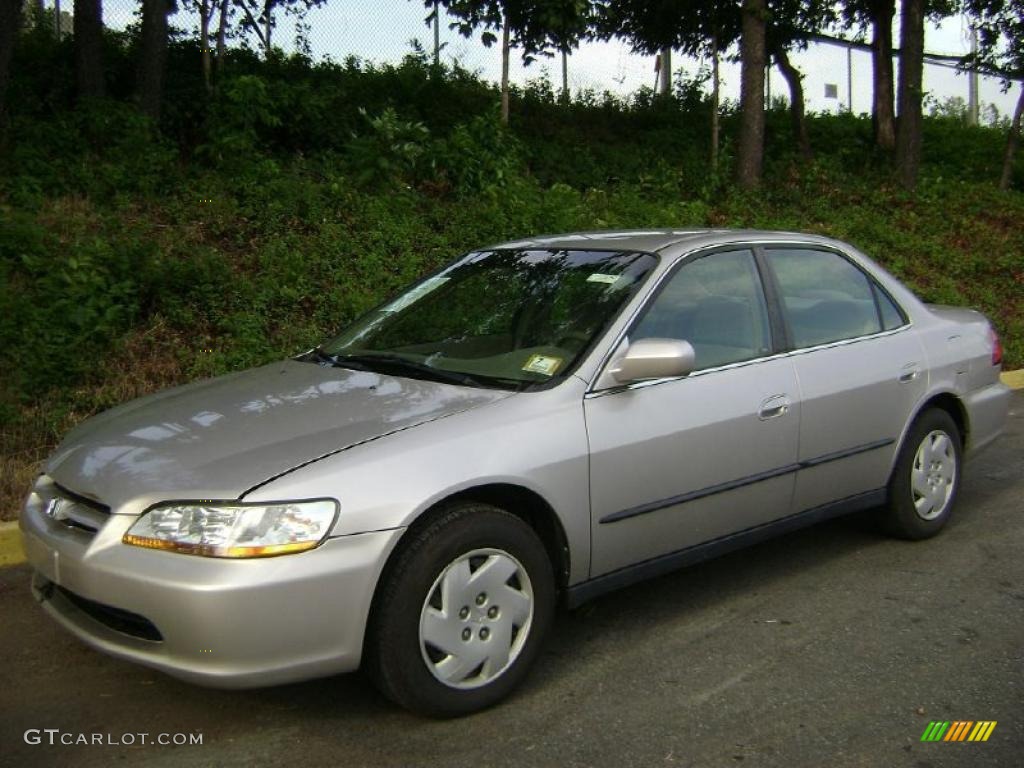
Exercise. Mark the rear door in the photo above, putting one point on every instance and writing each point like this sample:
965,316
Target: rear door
678,462
860,371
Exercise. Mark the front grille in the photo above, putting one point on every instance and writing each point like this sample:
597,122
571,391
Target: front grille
119,620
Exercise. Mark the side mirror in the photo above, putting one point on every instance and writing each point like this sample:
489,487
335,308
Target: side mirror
653,359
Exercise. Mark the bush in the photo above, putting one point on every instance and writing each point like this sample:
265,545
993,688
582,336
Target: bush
479,156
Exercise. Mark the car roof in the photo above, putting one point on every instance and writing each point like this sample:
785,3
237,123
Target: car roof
652,240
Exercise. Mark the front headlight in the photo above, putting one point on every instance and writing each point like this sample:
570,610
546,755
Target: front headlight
226,529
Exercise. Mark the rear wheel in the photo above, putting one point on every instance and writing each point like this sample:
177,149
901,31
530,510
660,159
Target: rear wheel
463,613
926,479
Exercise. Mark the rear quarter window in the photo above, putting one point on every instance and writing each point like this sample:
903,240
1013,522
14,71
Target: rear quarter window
892,316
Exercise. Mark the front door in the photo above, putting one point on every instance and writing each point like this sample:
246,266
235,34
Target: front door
678,462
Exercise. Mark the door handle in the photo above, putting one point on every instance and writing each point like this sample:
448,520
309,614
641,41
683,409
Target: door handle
909,372
773,407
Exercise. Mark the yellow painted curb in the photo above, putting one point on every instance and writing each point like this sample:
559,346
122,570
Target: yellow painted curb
1013,379
11,552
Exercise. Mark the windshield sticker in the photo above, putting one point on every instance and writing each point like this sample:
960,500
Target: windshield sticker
600,277
543,364
416,293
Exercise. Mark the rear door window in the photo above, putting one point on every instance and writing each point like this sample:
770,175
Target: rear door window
825,297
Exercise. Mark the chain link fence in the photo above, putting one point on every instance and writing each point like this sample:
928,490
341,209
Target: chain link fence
836,77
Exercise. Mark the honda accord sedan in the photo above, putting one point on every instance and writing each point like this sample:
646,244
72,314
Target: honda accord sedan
536,423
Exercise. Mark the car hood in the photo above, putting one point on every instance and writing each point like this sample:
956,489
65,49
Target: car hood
220,437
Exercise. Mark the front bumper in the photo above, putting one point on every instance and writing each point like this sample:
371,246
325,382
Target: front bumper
218,622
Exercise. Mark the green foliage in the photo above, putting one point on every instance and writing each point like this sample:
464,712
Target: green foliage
243,119
65,299
480,156
389,151
103,150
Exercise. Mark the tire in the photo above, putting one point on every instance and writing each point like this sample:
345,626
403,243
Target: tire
926,479
472,585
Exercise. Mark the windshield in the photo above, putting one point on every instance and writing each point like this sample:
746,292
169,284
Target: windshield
507,318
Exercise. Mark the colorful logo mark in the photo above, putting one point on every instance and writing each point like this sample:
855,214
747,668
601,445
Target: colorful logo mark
958,730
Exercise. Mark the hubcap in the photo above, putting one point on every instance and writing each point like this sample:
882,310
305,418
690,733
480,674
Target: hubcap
933,475
476,618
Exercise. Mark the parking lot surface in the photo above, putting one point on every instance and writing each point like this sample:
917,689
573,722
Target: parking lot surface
833,646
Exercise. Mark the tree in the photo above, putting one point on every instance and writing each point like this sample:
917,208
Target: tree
222,33
537,27
10,23
1000,25
790,26
702,27
878,14
665,71
797,110
88,23
488,16
695,27
152,56
753,58
909,92
258,16
205,9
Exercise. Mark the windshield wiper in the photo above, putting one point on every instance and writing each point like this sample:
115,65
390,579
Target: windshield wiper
394,362
317,355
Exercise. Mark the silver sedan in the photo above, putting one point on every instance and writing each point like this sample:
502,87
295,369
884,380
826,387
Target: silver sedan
539,421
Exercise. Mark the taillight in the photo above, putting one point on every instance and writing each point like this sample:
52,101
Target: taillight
997,347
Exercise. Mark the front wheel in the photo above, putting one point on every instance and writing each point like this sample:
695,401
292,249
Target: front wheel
463,613
926,478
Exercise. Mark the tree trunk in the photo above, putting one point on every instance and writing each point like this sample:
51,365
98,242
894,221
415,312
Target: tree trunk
716,95
505,52
152,57
437,34
88,30
222,34
10,23
796,102
750,147
205,12
565,75
908,123
268,13
1012,143
665,72
883,117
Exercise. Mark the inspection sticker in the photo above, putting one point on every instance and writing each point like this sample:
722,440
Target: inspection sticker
542,364
600,277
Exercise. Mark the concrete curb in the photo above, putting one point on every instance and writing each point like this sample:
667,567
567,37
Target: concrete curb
11,552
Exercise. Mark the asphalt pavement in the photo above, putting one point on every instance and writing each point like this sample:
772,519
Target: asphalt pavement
833,646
